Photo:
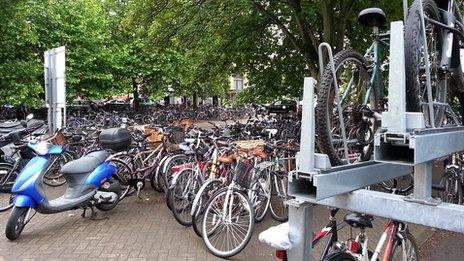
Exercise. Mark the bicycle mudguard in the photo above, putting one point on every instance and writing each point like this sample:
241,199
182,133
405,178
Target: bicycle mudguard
161,164
200,192
176,176
170,159
24,201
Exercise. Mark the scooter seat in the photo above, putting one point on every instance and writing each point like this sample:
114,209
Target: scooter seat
85,164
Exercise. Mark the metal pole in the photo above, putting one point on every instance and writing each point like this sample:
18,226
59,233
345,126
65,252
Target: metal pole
305,163
405,10
397,80
423,181
300,215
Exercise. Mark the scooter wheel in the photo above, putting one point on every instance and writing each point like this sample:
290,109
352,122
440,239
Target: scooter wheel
16,222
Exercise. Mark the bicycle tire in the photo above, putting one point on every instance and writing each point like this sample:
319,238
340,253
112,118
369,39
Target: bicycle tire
413,46
260,210
278,203
197,217
155,179
409,239
167,173
53,177
215,200
451,193
7,199
181,208
339,256
325,101
391,186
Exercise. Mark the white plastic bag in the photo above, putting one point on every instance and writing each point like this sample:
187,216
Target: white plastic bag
276,237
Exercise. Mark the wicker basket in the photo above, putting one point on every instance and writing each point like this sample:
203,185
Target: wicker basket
184,122
243,173
57,139
155,137
247,148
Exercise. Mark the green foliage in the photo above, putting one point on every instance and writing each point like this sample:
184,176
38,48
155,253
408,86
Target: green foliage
274,43
181,46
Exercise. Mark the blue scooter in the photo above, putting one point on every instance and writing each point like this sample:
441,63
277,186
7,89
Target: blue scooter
91,182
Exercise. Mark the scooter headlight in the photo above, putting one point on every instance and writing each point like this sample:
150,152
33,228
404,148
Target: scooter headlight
42,148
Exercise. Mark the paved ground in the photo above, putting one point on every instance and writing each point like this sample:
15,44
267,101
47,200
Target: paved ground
135,230
146,230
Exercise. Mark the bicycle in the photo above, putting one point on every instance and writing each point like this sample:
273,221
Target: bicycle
360,98
436,64
400,243
450,187
231,212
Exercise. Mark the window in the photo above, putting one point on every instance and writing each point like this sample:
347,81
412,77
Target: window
238,84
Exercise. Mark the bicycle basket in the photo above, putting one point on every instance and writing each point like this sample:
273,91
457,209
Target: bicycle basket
243,173
57,139
155,137
247,148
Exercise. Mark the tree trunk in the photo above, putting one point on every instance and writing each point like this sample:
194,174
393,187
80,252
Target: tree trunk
184,101
215,100
195,101
136,94
167,100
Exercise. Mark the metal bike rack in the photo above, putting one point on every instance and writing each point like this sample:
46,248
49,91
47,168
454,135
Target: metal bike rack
404,143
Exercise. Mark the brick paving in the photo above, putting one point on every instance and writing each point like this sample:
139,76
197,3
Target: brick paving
137,229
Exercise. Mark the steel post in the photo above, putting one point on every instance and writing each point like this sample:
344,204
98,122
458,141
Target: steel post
423,181
303,162
300,215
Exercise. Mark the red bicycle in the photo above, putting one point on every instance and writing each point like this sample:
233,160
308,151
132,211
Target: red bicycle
400,243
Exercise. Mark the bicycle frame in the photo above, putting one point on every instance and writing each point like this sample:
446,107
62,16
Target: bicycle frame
389,234
375,79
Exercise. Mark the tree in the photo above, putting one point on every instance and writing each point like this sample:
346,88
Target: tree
273,42
19,67
31,27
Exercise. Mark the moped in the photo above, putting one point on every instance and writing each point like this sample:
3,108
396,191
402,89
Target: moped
91,182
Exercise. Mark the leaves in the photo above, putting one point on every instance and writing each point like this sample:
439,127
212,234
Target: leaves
181,46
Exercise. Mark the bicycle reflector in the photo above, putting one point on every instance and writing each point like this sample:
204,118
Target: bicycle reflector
354,246
281,254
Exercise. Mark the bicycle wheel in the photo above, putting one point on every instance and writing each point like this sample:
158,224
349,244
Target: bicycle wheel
452,189
405,248
123,170
168,172
399,185
7,178
199,212
277,206
181,195
416,92
228,223
53,177
339,256
353,81
261,194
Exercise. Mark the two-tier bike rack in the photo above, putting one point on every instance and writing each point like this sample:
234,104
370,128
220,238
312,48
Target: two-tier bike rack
405,146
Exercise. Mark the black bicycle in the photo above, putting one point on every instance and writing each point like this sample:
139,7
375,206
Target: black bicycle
444,32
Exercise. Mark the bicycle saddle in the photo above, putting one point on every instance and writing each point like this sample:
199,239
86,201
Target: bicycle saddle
85,164
372,17
358,220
